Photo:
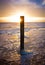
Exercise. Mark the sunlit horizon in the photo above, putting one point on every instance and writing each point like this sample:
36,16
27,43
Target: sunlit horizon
27,18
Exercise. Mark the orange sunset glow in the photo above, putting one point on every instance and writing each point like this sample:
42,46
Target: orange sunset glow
22,32
16,18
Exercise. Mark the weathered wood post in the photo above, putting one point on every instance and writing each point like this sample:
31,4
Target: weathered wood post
22,33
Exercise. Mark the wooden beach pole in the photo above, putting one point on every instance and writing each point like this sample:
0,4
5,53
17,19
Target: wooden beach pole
22,33
22,51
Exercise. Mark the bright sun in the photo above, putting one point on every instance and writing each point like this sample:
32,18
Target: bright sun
16,18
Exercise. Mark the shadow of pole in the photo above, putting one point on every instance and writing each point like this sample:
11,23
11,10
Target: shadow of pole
25,59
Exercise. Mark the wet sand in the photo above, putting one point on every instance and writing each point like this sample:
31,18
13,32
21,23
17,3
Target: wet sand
10,45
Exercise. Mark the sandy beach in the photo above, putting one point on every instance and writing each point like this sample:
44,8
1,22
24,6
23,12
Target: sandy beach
10,44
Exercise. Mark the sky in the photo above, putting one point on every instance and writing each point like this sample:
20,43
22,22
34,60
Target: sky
34,8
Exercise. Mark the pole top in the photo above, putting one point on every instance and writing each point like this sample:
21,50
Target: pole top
22,18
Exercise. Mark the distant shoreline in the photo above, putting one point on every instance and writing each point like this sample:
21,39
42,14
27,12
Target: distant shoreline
25,22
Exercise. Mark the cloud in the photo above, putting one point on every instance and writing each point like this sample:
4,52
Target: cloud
23,2
13,3
43,3
32,8
40,3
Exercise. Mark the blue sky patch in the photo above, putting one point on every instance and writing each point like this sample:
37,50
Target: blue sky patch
36,1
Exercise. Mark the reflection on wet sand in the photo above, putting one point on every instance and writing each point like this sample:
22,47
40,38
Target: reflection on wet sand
10,45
